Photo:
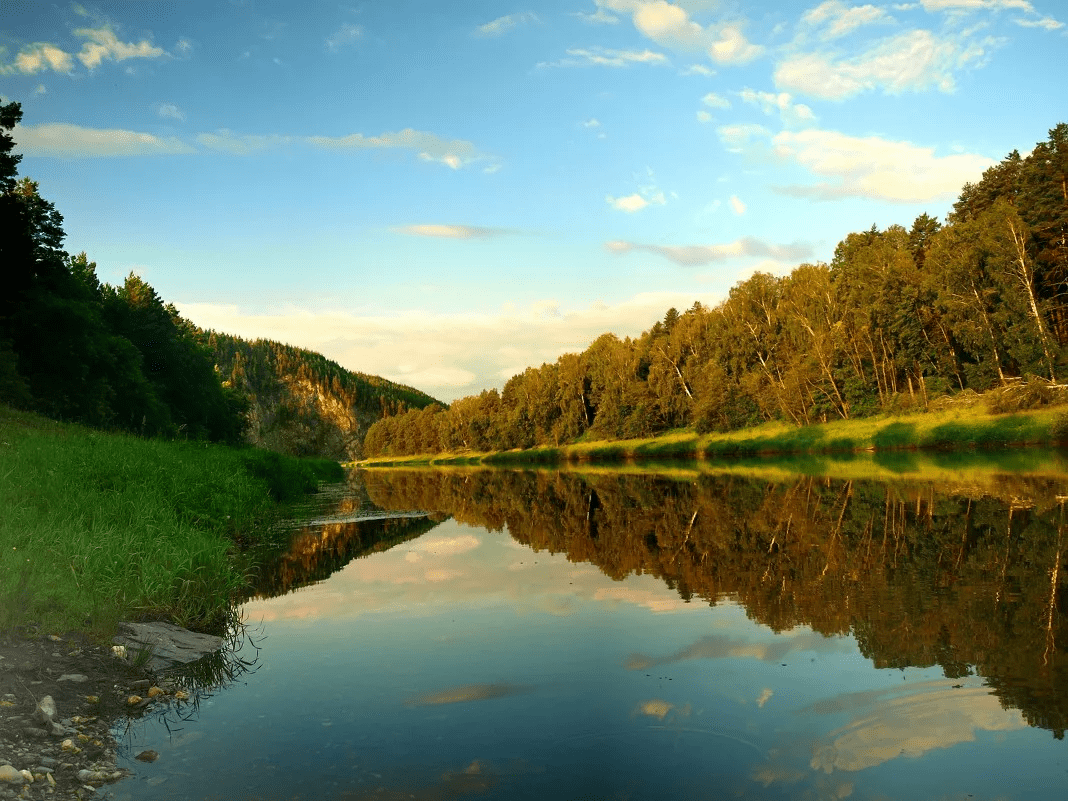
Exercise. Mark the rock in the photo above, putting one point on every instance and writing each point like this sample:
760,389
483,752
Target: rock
11,776
37,734
134,700
154,691
45,711
148,756
118,651
76,677
167,644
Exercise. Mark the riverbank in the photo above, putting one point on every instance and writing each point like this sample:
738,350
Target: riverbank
98,527
964,423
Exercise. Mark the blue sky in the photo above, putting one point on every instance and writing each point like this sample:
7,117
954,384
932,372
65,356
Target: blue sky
447,193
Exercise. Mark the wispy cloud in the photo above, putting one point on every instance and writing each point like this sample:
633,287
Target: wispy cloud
834,18
170,111
226,141
698,255
598,17
769,102
452,231
606,57
343,36
698,69
911,61
506,23
713,100
737,206
72,141
455,153
1048,23
104,44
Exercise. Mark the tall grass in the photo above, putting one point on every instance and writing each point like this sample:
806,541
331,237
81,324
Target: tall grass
97,527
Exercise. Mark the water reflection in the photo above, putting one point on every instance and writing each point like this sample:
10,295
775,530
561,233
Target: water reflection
964,575
626,636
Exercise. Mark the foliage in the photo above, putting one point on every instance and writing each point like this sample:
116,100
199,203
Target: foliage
901,320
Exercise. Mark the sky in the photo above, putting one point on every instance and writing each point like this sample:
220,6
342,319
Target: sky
445,194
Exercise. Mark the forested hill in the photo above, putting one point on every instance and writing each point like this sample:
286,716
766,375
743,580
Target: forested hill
119,357
302,403
899,317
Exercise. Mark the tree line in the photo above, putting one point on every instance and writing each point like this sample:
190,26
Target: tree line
118,357
900,316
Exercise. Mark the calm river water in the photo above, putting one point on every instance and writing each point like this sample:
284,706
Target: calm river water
689,634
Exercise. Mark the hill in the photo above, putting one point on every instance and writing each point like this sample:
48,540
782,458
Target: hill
300,402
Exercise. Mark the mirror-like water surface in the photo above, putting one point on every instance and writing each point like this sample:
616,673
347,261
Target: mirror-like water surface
557,635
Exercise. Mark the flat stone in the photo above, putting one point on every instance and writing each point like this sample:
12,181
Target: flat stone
10,775
168,644
75,677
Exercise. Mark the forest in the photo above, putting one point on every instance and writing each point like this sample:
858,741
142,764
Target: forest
120,358
899,317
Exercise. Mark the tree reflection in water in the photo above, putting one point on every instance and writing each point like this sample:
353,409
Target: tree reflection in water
965,575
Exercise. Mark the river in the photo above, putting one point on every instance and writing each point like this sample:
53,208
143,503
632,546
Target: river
864,629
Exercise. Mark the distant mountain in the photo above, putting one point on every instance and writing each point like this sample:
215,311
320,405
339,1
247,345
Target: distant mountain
302,403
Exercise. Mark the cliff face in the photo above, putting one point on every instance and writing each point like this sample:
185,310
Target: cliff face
302,403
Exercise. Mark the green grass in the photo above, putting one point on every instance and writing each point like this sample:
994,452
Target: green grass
963,427
97,527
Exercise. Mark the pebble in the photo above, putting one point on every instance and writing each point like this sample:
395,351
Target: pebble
9,775
76,677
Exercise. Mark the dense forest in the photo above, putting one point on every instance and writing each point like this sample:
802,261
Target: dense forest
967,578
900,316
74,348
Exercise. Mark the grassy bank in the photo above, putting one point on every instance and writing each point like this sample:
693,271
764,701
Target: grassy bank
97,527
966,428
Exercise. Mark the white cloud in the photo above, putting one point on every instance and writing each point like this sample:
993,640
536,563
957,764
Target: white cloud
698,69
1048,23
38,57
769,102
171,111
875,168
704,116
976,5
226,141
737,205
446,355
837,19
451,231
731,47
506,23
345,35
739,137
593,122
629,203
715,101
912,61
40,90
670,25
698,255
103,44
606,57
72,141
454,153
598,17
